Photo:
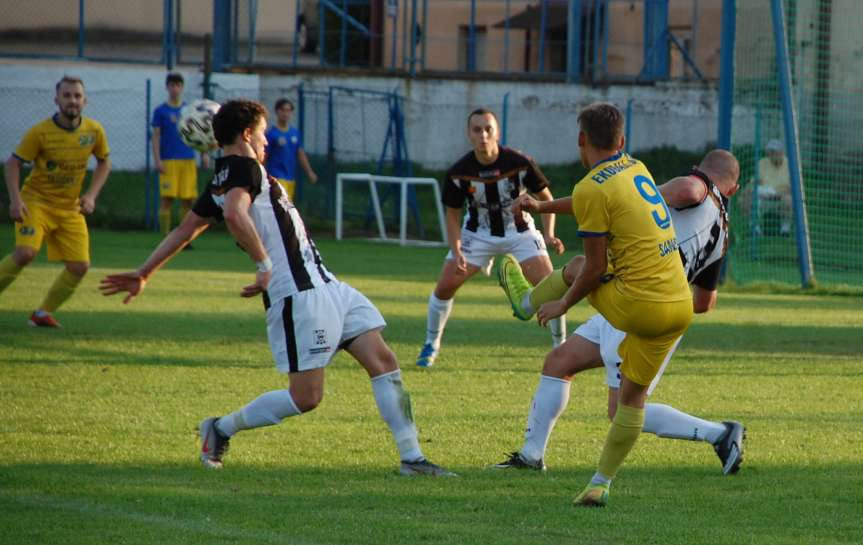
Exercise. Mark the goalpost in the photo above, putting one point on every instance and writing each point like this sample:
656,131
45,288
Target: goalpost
372,180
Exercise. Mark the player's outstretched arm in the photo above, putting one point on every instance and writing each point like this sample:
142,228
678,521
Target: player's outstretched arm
133,282
683,191
548,224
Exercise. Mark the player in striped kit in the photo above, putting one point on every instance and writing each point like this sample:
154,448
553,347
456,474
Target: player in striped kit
698,211
310,314
488,179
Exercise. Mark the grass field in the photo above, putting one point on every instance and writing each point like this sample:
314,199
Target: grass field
98,441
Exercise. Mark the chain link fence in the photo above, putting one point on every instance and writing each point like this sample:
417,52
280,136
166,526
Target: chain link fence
827,76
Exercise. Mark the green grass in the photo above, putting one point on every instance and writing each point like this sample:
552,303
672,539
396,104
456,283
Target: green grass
98,441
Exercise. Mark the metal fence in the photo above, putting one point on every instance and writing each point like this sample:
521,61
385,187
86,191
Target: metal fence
577,40
796,110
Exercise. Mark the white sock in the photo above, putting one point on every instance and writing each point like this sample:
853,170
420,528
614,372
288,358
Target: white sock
439,310
558,331
394,405
666,421
548,404
525,303
266,410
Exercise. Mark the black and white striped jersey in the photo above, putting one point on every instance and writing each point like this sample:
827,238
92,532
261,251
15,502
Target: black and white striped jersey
297,265
489,191
702,232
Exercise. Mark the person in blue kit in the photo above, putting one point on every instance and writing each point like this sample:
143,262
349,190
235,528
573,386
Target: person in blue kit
174,160
285,148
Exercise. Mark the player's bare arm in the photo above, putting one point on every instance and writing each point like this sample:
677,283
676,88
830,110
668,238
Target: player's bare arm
157,158
100,176
133,282
703,300
527,203
548,224
453,232
12,173
240,224
307,167
587,280
683,191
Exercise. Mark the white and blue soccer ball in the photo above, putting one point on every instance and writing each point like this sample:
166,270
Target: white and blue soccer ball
196,124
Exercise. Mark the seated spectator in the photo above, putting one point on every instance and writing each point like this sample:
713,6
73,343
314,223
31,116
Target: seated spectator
773,188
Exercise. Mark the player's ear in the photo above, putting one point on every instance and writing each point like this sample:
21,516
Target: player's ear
582,139
622,143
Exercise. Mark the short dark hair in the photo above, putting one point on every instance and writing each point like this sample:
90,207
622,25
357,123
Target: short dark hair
68,79
174,77
602,123
482,111
234,117
284,101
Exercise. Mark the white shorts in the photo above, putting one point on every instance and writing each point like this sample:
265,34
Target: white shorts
306,329
480,250
598,331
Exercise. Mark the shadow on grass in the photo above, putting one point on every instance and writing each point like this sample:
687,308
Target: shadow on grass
298,502
210,339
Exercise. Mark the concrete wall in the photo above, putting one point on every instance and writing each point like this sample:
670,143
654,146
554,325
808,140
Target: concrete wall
541,121
542,116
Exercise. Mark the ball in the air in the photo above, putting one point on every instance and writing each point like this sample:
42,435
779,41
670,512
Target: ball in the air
196,124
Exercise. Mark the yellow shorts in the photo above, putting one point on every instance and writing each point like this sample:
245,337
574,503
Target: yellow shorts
651,329
290,186
65,232
180,179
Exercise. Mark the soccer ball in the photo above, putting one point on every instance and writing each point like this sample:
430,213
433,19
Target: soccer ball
196,124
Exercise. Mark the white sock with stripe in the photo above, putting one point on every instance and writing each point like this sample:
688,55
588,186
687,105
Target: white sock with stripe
549,401
438,314
394,404
668,422
266,410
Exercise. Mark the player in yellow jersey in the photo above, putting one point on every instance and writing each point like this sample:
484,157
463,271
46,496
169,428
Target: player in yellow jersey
49,208
631,272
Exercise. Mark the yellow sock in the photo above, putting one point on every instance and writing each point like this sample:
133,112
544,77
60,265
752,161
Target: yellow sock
8,272
624,431
165,221
549,288
61,289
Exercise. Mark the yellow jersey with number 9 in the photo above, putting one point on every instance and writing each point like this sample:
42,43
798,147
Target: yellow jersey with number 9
59,157
618,200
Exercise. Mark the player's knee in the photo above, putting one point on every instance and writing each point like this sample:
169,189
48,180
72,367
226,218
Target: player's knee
23,255
308,399
555,365
573,268
78,268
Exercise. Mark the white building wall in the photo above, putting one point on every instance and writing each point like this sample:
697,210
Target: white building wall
542,118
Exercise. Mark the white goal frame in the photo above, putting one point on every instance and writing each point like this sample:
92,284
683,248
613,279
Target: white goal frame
372,180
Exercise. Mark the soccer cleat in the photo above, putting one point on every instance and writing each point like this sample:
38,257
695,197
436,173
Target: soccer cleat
593,495
43,319
427,355
424,467
517,461
514,284
213,444
729,447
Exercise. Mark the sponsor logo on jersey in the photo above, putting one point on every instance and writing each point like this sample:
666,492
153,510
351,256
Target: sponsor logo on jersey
489,173
27,230
668,246
86,140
